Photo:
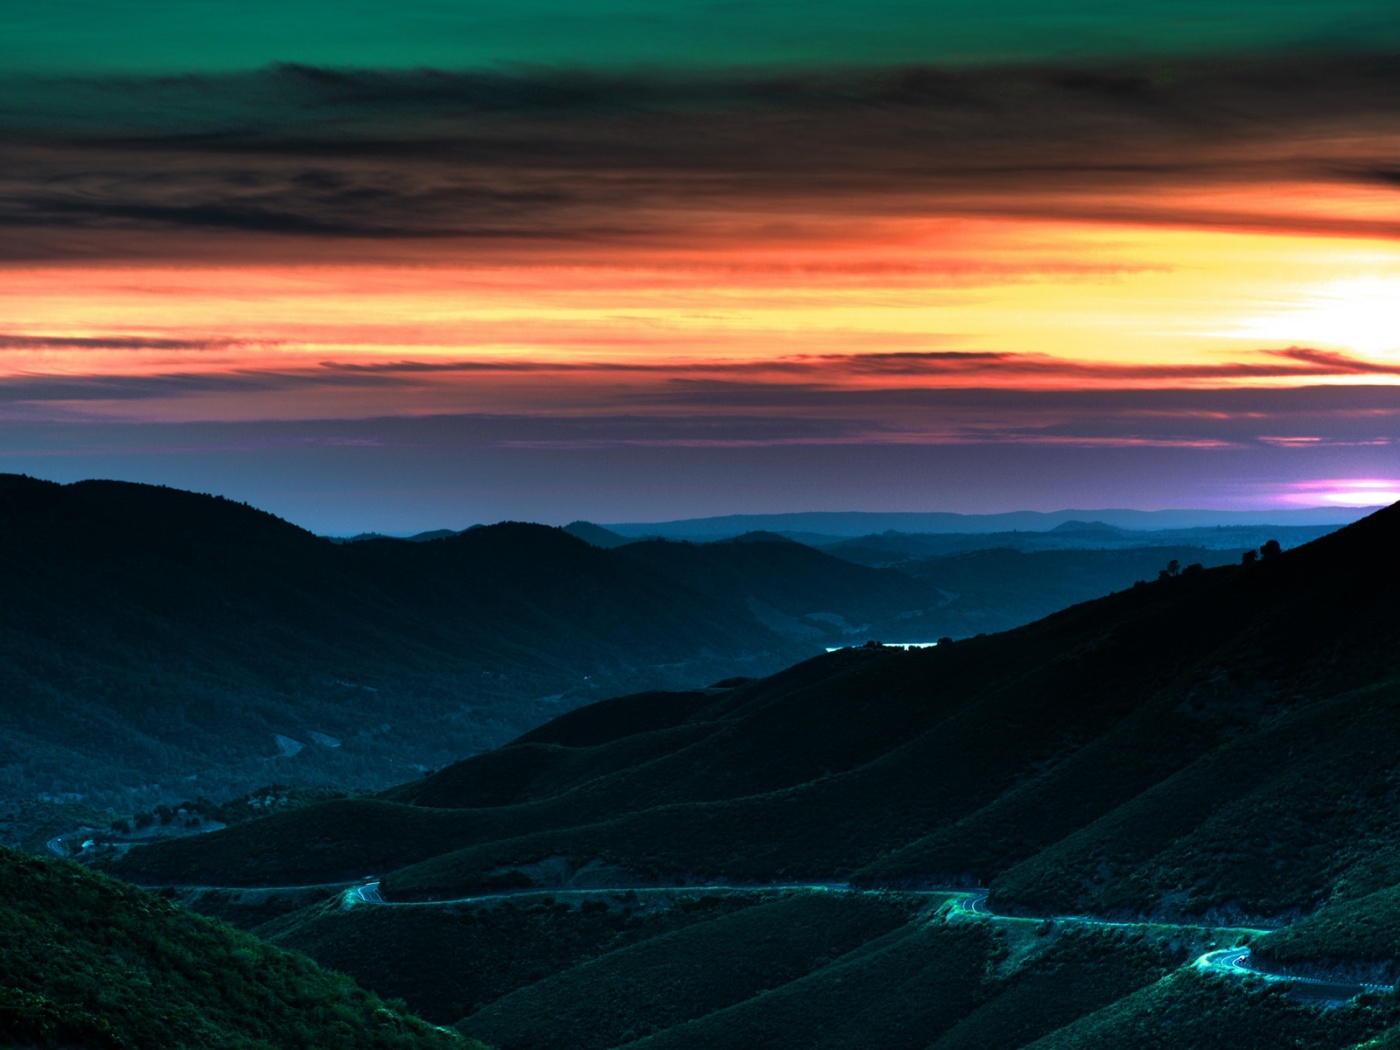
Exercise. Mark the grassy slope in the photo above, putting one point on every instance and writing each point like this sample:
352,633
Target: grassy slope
706,970
1222,742
1362,930
730,973
945,734
889,993
1229,731
1204,1013
85,961
935,985
447,963
1271,824
1075,973
670,979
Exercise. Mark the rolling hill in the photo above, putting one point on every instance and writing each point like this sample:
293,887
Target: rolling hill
1212,750
853,524
158,645
1096,759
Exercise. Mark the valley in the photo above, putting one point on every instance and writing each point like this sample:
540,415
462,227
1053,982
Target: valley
1173,801
165,648
699,525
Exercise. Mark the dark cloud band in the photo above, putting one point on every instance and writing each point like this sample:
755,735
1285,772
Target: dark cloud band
294,156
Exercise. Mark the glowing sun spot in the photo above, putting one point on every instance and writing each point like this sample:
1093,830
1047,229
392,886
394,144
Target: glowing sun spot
1346,492
1361,314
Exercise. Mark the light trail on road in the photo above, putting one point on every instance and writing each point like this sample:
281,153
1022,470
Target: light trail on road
1225,962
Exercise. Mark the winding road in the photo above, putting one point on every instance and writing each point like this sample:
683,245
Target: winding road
1231,962
1223,962
1234,962
368,893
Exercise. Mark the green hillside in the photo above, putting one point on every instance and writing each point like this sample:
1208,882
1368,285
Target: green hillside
674,978
1220,741
451,961
1190,1010
792,969
87,962
1212,750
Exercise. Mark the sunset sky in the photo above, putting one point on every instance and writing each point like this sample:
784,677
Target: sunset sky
424,264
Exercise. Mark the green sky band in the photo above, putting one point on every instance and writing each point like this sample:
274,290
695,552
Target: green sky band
62,37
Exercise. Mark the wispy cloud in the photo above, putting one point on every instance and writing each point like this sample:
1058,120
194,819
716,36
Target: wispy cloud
812,402
1291,363
17,341
995,367
625,384
303,155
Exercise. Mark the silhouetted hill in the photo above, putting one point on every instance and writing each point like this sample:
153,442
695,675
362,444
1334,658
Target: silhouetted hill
863,523
1000,588
418,537
791,589
758,536
88,962
903,549
1213,749
1144,727
596,534
160,644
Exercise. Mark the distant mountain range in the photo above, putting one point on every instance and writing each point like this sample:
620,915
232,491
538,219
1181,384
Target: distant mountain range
1023,530
1213,750
898,548
161,645
861,523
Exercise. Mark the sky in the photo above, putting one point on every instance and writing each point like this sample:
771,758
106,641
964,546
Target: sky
421,265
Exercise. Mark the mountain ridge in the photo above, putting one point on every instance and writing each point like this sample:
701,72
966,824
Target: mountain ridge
146,629
1125,689
862,523
1212,750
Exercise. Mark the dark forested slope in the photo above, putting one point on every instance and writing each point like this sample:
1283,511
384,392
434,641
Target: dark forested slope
1223,739
1211,750
158,643
87,962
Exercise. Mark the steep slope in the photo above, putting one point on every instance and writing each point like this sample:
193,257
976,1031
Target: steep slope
1201,750
1106,757
784,940
87,962
795,969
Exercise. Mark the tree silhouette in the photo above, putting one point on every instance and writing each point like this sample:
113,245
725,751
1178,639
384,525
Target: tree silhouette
1271,549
